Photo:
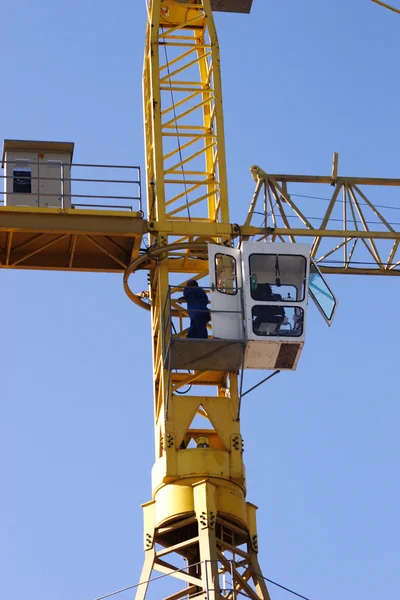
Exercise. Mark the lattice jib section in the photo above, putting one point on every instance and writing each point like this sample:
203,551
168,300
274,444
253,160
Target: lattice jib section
351,224
191,122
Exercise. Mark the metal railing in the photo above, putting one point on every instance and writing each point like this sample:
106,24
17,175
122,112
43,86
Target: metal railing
175,318
72,190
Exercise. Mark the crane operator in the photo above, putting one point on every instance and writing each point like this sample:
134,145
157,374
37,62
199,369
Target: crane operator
199,314
267,314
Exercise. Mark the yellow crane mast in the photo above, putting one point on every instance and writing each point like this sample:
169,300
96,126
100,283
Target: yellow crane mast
198,509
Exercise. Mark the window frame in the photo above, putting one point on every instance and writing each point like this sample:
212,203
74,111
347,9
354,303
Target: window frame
293,286
288,332
236,289
18,178
327,318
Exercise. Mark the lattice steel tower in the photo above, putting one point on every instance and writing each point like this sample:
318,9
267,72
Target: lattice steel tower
198,509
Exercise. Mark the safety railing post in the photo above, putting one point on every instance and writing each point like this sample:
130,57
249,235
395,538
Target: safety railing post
62,186
243,315
38,182
140,189
207,584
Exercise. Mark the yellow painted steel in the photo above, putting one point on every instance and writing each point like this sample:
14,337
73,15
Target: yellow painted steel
335,248
182,95
185,147
108,241
199,508
188,201
69,239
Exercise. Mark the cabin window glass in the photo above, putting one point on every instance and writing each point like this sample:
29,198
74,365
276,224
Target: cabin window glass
321,293
225,274
277,277
22,181
272,321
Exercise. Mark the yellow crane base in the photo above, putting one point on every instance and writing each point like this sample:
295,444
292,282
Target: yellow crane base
195,522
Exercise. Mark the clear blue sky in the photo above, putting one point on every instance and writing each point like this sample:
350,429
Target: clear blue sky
301,80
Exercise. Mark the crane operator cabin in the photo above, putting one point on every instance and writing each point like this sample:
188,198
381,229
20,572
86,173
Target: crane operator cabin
258,300
260,293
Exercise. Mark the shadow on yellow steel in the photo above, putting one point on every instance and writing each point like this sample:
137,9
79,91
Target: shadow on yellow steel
69,239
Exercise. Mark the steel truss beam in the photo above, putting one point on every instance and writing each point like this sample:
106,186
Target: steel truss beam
347,231
185,144
76,240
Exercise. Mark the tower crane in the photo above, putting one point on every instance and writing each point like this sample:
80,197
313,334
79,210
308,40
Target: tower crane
199,511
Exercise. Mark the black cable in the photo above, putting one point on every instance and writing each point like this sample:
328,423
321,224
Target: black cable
131,587
186,391
331,219
353,262
282,587
342,201
260,383
136,585
337,201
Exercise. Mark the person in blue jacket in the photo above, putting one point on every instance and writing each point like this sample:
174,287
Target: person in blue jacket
199,314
